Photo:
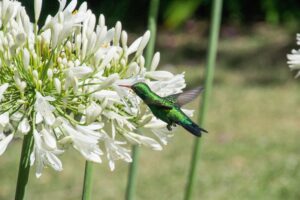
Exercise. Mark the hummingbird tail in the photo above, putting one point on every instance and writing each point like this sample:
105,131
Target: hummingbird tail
193,128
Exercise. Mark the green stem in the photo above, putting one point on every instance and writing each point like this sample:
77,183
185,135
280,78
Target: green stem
88,181
152,18
24,166
130,190
209,74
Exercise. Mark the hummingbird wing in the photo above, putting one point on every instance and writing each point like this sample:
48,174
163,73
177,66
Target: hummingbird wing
158,104
185,97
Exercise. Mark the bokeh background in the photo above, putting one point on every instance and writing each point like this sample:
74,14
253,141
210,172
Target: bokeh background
252,150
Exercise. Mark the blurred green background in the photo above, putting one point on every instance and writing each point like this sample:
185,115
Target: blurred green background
253,147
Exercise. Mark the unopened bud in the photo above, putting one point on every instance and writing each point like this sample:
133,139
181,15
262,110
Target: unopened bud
155,61
57,85
50,74
26,58
101,20
35,75
118,29
145,40
124,38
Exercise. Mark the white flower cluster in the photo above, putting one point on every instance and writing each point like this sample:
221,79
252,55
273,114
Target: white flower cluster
294,58
60,82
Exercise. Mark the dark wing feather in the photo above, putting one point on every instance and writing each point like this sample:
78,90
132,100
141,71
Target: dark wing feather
158,104
185,97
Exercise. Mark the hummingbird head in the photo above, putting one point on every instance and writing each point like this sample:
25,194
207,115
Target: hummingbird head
140,88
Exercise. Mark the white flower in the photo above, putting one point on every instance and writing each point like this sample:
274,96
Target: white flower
61,83
294,58
85,141
42,156
115,151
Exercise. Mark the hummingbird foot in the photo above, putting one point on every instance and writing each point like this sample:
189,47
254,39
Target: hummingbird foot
169,127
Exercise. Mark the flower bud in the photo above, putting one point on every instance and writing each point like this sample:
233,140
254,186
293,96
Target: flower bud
50,74
145,40
155,61
57,85
35,75
101,20
118,29
37,9
124,38
26,58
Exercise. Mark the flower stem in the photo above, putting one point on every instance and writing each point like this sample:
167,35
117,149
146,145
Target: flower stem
152,18
24,166
130,190
209,74
88,181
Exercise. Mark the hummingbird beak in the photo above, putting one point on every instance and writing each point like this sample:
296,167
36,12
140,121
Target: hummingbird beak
128,86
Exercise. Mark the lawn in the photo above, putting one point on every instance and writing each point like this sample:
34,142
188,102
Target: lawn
252,149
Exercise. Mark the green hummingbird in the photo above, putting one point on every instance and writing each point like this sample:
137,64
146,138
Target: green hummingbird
168,109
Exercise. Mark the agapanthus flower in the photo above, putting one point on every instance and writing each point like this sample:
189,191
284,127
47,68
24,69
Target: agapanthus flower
60,82
294,58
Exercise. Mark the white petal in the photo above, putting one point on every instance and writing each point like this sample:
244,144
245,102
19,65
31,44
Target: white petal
81,71
159,75
26,58
72,5
62,4
108,57
54,162
188,112
44,108
143,43
155,61
3,88
92,112
146,141
4,119
4,142
24,126
163,134
49,140
38,118
134,46
37,9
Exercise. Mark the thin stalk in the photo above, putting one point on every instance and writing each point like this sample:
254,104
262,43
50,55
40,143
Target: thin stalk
131,184
24,166
209,75
152,24
88,182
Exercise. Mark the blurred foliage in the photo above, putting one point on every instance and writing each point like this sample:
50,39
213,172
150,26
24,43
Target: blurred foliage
178,11
174,13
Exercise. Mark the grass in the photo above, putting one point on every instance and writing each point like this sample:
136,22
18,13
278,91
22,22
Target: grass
251,152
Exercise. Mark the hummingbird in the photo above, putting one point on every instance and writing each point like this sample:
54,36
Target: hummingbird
168,109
